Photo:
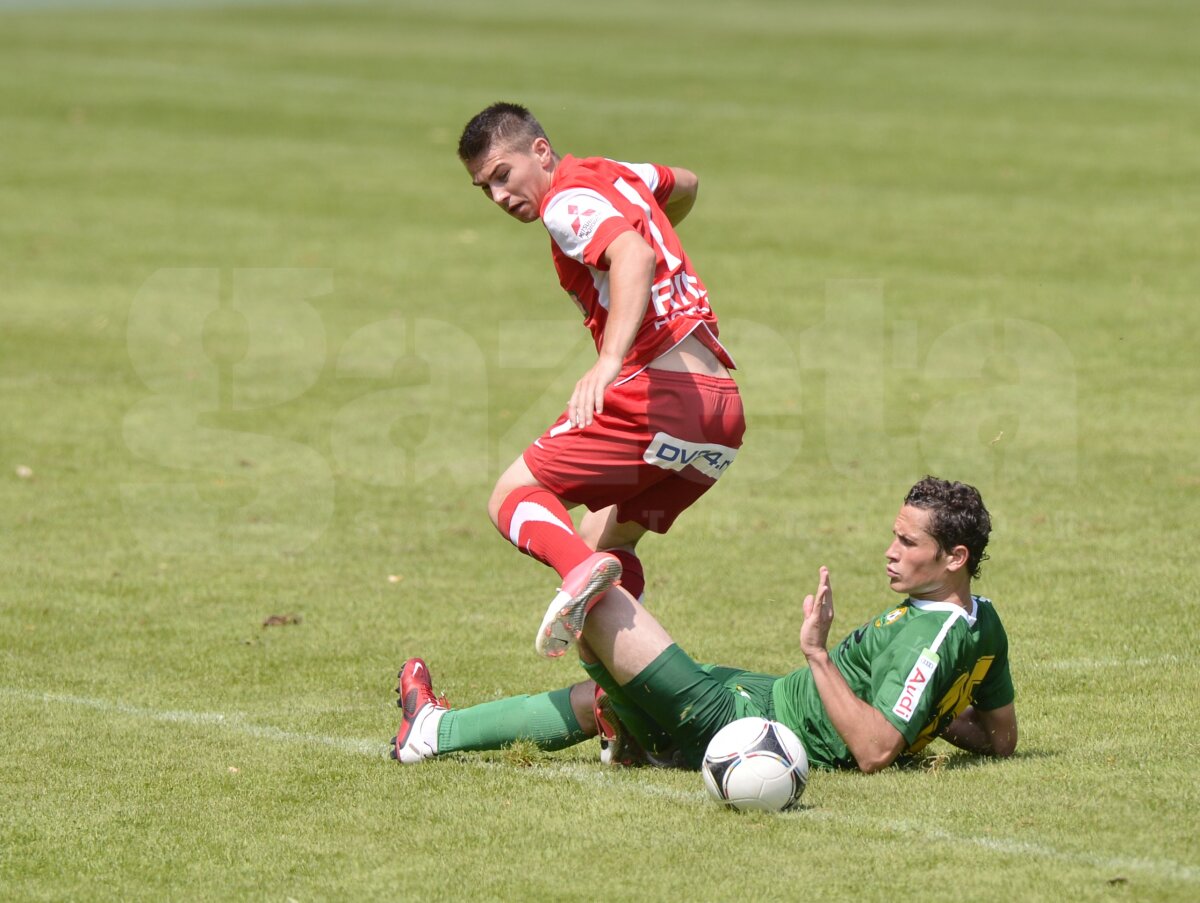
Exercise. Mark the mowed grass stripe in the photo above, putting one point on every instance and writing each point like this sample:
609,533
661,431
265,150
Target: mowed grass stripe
611,781
1035,161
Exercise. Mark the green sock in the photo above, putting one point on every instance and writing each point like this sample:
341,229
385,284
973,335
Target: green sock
546,719
635,720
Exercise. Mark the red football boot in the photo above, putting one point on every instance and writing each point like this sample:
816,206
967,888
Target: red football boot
581,589
417,737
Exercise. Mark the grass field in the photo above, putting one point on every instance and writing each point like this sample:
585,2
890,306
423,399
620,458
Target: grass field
263,350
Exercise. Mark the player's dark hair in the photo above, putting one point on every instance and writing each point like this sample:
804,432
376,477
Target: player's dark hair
501,122
957,517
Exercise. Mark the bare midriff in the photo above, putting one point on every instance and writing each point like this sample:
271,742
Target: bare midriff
690,356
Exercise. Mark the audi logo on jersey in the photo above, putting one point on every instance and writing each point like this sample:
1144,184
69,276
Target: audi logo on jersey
914,686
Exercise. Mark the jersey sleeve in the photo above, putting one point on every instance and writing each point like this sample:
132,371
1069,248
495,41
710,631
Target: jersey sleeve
583,224
996,690
659,179
905,682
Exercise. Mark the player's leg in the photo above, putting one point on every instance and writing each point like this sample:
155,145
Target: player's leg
430,727
614,714
623,635
605,533
666,475
692,700
550,721
535,520
702,698
663,494
615,461
595,466
618,718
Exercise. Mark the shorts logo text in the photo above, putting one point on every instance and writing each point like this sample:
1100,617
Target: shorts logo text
670,453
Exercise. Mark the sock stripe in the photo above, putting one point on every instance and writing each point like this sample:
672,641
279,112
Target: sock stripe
527,512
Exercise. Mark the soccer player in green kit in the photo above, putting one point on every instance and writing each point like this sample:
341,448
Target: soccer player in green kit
934,666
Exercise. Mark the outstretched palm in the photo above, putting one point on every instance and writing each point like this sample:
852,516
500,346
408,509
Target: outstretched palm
818,617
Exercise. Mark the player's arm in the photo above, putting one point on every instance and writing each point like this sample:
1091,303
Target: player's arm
989,732
630,271
683,195
869,736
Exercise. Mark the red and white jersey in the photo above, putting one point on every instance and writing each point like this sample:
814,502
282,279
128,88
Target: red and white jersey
593,200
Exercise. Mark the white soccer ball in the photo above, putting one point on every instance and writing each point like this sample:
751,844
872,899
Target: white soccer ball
753,763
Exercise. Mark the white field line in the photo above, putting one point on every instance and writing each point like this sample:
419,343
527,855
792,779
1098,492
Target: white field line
1113,866
234,723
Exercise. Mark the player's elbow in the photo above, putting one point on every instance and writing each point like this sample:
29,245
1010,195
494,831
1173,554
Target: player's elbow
869,763
870,766
1001,728
683,195
687,183
630,251
1004,745
879,749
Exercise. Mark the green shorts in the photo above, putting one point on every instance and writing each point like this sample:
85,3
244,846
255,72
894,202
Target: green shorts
692,701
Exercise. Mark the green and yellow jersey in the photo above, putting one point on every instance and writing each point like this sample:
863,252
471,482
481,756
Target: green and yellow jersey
920,664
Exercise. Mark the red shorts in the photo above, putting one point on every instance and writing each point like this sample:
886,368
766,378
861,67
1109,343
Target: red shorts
664,438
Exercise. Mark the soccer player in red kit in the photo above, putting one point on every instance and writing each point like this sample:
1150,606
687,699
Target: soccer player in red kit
657,419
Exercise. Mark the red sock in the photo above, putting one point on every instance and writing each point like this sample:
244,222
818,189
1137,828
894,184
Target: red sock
633,578
535,521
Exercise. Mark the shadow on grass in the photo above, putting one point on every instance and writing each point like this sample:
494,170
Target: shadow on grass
962,759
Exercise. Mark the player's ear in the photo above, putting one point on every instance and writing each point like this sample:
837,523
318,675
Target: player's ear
957,558
542,150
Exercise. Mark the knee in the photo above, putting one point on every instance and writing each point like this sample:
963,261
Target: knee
590,531
495,501
583,697
517,476
500,493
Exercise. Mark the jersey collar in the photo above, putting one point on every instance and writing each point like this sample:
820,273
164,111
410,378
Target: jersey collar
950,607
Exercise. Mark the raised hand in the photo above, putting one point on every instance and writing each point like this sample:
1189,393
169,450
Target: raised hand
818,617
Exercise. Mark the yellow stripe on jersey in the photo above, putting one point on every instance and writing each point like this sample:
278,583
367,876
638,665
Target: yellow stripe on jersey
957,698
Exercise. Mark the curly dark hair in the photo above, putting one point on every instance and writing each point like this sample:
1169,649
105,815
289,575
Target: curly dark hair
957,517
499,122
